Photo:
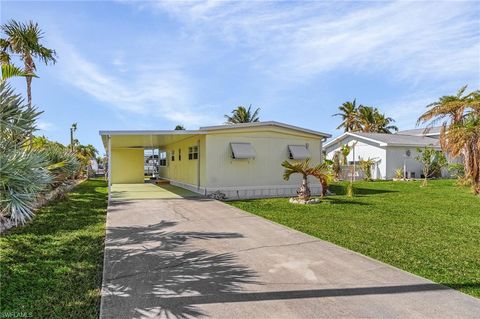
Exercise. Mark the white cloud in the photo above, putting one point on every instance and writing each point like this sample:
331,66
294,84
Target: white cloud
154,91
411,40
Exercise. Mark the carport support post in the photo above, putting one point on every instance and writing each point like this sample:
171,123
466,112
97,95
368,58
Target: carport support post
109,166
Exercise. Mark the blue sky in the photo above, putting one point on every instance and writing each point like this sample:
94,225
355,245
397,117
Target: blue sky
152,65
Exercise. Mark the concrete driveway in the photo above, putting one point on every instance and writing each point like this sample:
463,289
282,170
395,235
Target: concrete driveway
188,258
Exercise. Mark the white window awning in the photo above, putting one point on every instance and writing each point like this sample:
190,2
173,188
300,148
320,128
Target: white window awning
299,152
242,150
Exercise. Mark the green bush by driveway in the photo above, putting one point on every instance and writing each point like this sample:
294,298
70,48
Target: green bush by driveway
430,231
52,267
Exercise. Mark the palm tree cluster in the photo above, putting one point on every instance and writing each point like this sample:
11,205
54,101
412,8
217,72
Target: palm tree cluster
363,118
459,117
243,115
321,172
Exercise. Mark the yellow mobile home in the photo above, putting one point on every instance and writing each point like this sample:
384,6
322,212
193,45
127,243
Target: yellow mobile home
239,160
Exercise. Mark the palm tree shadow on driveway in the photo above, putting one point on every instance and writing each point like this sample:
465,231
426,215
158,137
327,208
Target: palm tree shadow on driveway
155,273
147,266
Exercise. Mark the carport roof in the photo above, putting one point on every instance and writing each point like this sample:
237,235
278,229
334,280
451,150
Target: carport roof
155,138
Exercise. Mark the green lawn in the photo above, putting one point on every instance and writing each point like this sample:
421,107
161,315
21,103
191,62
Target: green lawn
433,232
52,267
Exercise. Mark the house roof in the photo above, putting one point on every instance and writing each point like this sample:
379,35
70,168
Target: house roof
264,124
383,139
150,138
426,131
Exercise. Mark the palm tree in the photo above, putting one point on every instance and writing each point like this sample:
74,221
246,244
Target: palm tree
321,172
366,118
349,116
460,129
383,123
243,115
73,129
24,39
180,128
85,153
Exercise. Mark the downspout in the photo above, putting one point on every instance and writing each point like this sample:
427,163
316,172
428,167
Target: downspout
109,166
198,165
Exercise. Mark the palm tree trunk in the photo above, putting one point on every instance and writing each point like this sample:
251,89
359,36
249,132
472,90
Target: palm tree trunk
29,90
304,191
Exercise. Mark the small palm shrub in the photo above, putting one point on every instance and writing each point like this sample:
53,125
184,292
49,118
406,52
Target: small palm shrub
320,172
399,173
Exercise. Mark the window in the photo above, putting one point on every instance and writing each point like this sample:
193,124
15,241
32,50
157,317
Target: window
298,152
179,154
193,153
242,150
173,155
163,158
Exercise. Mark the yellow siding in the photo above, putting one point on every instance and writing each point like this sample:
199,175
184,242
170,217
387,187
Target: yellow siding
185,171
271,148
127,166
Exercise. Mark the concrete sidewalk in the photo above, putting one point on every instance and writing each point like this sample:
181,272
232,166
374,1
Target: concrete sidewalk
188,258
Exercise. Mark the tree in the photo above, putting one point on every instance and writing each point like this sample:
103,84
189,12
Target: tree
459,116
348,112
243,115
336,166
321,172
85,153
73,129
371,120
345,150
180,128
24,39
364,119
433,161
366,167
383,123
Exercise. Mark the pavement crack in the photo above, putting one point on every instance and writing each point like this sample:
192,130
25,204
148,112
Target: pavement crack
272,246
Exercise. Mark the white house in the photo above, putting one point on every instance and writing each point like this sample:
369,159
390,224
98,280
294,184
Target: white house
390,151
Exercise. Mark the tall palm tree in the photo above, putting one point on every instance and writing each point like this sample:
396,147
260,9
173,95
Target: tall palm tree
73,129
24,39
243,115
348,112
383,123
366,118
460,129
321,172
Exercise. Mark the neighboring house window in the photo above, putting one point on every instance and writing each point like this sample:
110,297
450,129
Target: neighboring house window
179,154
193,153
163,158
173,155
